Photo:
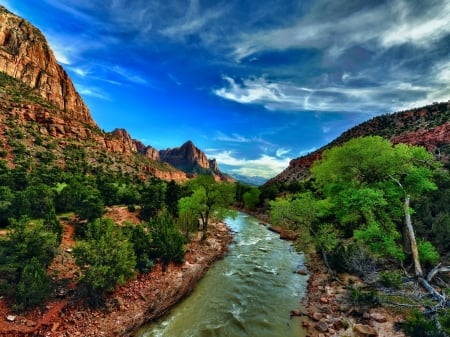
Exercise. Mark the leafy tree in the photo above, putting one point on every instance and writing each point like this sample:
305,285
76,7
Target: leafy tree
105,257
371,177
209,198
251,198
141,238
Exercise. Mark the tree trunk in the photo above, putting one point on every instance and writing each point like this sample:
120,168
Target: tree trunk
412,239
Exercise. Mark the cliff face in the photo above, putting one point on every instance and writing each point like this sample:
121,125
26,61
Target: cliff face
37,94
427,126
25,55
192,160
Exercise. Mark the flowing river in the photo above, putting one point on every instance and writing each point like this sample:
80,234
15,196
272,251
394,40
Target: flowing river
249,293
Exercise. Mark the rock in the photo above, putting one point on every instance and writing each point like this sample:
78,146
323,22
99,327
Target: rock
316,316
302,272
363,330
306,324
324,300
30,323
380,318
322,326
11,318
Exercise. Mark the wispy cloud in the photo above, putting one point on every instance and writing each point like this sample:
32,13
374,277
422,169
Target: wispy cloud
265,166
233,138
92,92
129,75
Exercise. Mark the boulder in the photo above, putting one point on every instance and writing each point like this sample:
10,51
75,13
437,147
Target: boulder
363,330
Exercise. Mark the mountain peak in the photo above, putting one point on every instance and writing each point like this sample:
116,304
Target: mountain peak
26,56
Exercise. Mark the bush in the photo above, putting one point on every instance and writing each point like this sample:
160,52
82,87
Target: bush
417,325
391,279
34,285
427,253
360,296
106,258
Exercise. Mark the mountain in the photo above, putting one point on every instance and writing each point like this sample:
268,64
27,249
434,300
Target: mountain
427,126
253,180
43,118
192,160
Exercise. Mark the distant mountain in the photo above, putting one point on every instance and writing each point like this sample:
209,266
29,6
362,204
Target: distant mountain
253,180
43,118
427,126
192,160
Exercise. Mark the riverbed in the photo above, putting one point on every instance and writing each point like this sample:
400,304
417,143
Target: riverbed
249,293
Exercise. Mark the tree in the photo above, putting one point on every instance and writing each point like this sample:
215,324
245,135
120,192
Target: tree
372,182
251,198
209,198
167,242
34,285
106,258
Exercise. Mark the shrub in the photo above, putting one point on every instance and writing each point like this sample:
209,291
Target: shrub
417,325
34,285
391,279
361,296
427,253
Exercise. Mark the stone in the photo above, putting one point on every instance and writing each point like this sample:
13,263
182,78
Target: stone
363,330
316,316
302,272
324,300
11,318
380,318
322,326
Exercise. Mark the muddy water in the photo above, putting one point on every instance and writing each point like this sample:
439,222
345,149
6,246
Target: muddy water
249,293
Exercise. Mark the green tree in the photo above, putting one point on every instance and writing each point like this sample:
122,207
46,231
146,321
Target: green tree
251,198
106,258
34,285
370,183
167,242
209,198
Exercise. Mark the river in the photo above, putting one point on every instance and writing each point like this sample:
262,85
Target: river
249,293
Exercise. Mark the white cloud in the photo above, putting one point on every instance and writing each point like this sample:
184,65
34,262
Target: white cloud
233,138
281,152
265,166
92,92
253,90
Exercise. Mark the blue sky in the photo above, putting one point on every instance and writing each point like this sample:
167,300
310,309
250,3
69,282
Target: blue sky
253,83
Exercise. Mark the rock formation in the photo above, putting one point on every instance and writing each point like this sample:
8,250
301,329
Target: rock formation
25,55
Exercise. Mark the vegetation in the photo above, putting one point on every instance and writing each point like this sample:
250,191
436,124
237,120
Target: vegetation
357,209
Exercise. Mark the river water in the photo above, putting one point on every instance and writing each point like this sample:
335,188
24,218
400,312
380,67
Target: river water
249,293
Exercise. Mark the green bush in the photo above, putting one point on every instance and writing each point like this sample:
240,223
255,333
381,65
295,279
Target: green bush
360,296
391,279
34,285
427,253
417,325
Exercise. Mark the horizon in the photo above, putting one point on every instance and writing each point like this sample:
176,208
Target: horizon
253,86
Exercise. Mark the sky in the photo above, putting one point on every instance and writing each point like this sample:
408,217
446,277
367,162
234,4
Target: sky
253,83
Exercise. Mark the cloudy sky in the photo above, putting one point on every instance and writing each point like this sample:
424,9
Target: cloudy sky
253,83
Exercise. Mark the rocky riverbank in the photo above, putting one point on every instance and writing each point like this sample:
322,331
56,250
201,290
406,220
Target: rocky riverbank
147,297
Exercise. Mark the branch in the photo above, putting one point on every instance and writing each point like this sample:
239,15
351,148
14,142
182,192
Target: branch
441,298
437,269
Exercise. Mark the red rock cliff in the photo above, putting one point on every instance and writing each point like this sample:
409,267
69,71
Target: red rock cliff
25,55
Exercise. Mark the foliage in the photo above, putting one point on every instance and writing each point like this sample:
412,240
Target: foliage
417,325
167,242
105,257
360,296
208,199
427,253
391,278
251,198
141,238
34,285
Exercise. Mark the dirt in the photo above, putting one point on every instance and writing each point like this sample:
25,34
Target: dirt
142,299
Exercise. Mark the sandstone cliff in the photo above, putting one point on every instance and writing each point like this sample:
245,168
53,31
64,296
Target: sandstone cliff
192,160
38,99
427,126
25,55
